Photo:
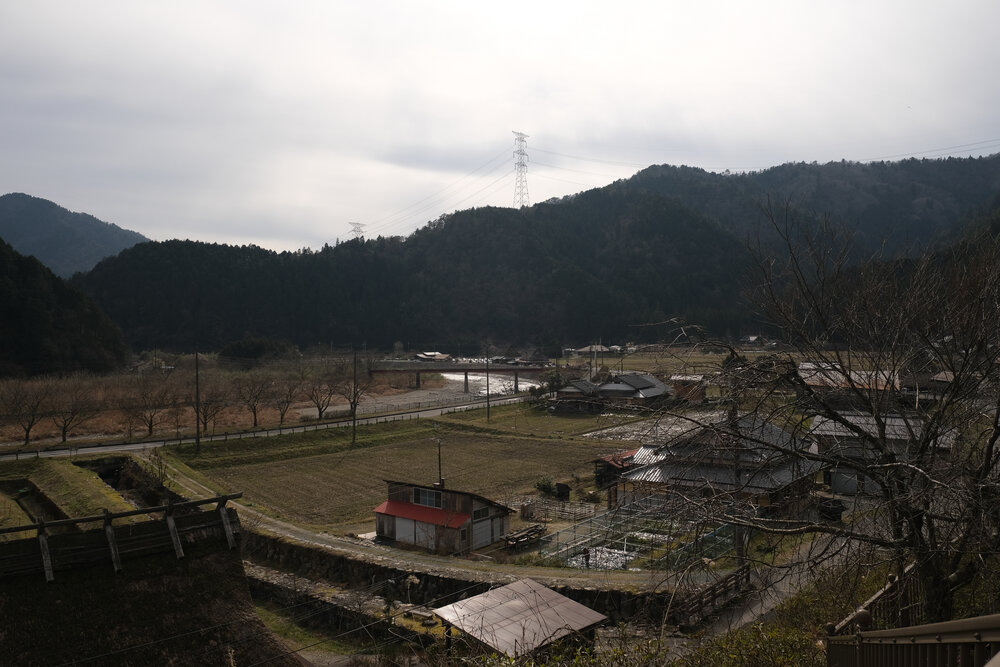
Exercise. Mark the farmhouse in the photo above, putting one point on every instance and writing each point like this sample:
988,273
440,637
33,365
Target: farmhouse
827,377
625,389
439,519
690,388
608,468
751,459
854,438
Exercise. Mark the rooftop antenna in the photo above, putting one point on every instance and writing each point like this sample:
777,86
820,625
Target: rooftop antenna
358,229
520,169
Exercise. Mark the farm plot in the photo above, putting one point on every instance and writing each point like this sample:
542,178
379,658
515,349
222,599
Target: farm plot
337,491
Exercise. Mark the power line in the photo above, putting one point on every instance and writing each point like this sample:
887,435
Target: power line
594,159
406,214
986,143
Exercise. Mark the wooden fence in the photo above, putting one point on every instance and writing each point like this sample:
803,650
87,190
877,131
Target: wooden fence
895,605
182,523
694,607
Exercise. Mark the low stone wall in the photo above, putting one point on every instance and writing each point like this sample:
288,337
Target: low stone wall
432,589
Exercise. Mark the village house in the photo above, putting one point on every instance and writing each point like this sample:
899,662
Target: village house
608,468
689,388
851,437
633,389
749,459
826,377
439,519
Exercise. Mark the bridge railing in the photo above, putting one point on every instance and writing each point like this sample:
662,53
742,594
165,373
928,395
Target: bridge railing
970,642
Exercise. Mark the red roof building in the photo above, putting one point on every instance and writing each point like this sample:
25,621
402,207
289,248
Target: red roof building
439,519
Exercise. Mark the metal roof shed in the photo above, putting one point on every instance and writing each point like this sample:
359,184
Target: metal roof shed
520,618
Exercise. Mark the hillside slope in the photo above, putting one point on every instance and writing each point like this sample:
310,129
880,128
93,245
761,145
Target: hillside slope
157,611
49,326
62,240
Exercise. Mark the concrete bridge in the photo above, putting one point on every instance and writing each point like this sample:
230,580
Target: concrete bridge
457,366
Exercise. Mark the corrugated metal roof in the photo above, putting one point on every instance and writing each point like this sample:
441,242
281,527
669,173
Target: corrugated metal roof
519,618
637,381
431,515
707,455
897,427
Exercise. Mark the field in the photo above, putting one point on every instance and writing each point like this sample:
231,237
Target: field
319,480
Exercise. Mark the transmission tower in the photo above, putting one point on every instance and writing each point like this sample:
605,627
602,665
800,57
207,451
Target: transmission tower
358,229
520,170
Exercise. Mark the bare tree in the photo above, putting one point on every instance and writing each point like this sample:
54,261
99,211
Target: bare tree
26,402
891,369
145,397
320,385
354,380
287,388
76,402
213,398
251,388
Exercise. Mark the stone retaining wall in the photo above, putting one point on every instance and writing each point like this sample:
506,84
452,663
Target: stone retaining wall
431,589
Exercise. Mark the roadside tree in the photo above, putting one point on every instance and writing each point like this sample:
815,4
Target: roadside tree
145,397
320,385
77,400
354,380
26,402
252,388
287,388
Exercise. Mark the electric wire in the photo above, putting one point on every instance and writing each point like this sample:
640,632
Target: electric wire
985,143
407,213
619,163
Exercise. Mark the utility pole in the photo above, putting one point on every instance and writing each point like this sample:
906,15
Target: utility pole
358,229
440,472
354,400
487,385
520,169
197,408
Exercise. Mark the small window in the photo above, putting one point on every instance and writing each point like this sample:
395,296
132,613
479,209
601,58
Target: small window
480,514
427,497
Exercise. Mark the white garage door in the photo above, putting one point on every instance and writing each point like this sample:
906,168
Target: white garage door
482,536
404,530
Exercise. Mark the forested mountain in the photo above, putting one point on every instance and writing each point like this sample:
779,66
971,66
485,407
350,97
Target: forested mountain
607,264
48,326
64,241
596,268
901,206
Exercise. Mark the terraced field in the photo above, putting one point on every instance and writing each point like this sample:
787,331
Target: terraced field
319,480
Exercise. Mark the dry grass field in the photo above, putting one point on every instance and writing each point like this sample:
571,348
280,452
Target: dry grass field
319,480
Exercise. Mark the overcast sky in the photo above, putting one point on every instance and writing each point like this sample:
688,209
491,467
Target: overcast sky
281,123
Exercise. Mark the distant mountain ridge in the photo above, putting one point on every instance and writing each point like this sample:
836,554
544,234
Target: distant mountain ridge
64,241
612,263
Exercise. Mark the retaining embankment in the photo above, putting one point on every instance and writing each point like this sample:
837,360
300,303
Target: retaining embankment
435,589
